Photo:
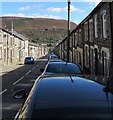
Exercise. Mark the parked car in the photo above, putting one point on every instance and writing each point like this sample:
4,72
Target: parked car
53,57
29,60
66,97
56,60
62,68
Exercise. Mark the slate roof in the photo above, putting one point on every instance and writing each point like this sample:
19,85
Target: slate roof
19,35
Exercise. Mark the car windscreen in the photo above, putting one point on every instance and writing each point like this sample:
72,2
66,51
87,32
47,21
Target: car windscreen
63,68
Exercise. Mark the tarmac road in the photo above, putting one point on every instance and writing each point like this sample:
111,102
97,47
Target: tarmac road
20,78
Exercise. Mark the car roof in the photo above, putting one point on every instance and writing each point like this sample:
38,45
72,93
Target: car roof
65,63
55,60
63,93
66,87
29,57
54,55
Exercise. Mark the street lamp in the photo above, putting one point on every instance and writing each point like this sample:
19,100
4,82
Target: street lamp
68,38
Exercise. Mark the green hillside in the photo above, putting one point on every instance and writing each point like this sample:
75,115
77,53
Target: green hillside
39,30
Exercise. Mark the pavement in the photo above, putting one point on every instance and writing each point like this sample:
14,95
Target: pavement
8,68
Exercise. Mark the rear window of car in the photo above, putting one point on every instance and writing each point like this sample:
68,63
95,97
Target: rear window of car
63,68
27,58
54,57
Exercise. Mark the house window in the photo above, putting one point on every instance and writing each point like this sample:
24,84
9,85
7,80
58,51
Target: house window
65,42
95,27
86,56
91,30
20,44
104,24
80,36
0,52
79,58
11,41
5,59
63,45
13,53
105,58
70,41
75,39
86,31
5,39
92,60
70,56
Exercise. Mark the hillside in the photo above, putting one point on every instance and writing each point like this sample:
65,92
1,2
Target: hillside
41,30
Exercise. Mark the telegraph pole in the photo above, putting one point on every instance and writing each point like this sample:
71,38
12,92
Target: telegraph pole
68,38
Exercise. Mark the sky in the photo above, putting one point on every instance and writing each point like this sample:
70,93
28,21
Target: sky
56,9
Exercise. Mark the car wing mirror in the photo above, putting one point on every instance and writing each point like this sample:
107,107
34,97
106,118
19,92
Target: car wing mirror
42,70
20,94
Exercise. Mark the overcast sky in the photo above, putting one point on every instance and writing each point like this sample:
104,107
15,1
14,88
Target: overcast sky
56,9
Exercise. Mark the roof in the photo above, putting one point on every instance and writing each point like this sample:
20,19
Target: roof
19,35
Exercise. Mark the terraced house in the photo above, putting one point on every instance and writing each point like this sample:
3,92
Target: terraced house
14,47
91,42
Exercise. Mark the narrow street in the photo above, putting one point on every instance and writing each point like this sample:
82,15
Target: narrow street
71,42
21,78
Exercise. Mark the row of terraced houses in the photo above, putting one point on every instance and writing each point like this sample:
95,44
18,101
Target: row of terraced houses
14,47
91,42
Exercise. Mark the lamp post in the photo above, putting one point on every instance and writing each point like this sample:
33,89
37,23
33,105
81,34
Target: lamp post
68,38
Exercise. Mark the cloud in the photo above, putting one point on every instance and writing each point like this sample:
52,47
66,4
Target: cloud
30,7
75,9
25,8
77,22
54,0
32,16
14,15
51,9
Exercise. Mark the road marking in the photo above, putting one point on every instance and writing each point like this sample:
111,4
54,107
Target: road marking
33,68
32,80
28,72
17,114
39,63
3,92
18,80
